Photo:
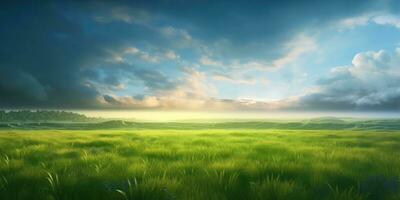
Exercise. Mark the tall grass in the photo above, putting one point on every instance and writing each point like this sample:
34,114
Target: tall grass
54,185
197,165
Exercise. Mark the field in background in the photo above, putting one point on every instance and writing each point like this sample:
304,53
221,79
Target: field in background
211,163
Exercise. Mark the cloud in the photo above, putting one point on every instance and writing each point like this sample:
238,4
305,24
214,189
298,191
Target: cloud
123,56
171,55
111,101
298,46
353,22
380,18
170,31
391,20
234,80
153,80
186,103
196,93
65,64
241,79
43,64
131,50
154,57
255,31
205,60
120,13
149,58
371,82
16,84
295,48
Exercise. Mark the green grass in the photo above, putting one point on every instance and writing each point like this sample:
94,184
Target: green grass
199,164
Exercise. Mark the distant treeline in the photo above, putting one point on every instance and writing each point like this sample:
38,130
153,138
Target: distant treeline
40,116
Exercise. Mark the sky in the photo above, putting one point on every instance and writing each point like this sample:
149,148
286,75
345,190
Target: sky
286,55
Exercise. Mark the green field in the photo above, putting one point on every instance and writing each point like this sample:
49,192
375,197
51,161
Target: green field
201,164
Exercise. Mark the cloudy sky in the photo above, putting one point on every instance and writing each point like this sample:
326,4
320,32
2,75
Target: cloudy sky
201,55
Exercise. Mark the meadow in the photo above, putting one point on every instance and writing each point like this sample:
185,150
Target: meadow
199,164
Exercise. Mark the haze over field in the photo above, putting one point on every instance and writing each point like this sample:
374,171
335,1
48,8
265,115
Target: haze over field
215,116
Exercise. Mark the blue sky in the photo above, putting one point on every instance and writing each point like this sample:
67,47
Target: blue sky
201,55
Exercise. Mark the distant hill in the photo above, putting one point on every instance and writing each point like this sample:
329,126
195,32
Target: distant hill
68,120
42,116
326,120
378,125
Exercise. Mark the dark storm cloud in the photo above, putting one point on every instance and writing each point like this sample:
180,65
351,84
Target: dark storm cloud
45,53
41,46
111,100
16,85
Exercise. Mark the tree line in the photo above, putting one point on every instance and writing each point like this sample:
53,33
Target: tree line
41,115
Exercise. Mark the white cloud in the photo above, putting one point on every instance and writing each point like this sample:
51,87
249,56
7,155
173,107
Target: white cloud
256,65
132,50
149,58
170,31
391,20
234,80
122,56
124,14
367,65
370,82
375,18
117,58
240,79
181,38
296,47
171,55
353,22
195,93
205,60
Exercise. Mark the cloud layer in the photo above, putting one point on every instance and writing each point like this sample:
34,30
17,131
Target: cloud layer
190,55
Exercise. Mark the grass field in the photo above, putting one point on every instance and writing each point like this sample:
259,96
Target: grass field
199,164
